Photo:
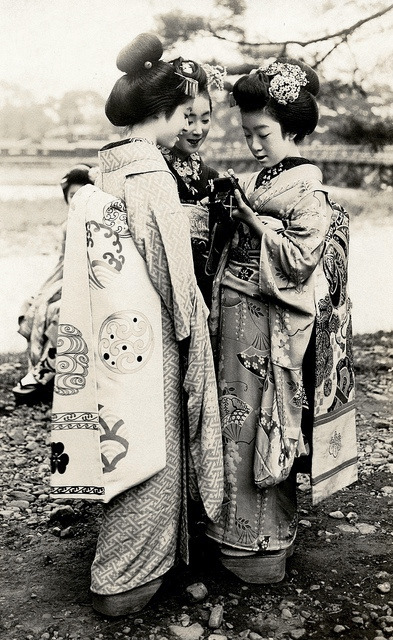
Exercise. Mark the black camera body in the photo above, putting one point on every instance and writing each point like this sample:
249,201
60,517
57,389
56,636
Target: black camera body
222,199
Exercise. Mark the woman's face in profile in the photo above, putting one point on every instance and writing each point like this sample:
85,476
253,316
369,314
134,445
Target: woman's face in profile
170,129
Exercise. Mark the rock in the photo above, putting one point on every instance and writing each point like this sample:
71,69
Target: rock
19,504
339,628
382,424
387,619
384,587
197,591
387,491
63,514
305,523
365,528
347,528
216,636
352,517
286,613
32,446
184,620
17,435
338,515
380,575
21,495
297,633
7,513
193,632
216,616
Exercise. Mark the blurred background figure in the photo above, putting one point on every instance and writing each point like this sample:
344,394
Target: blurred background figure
38,319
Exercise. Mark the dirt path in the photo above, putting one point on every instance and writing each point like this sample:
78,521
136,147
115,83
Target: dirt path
338,583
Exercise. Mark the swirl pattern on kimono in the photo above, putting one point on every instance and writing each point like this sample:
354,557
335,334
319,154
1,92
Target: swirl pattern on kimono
125,341
103,270
72,359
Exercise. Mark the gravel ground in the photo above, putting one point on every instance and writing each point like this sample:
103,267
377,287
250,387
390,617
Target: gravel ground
338,583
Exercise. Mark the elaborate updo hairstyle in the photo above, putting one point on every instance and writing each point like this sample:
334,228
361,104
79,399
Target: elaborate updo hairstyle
149,87
82,174
286,90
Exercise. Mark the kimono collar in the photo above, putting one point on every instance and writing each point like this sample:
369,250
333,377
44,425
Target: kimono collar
136,155
268,173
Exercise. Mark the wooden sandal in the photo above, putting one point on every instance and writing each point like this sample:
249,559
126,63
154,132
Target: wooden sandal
261,568
131,601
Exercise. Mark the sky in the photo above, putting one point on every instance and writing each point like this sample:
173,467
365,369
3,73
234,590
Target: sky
52,46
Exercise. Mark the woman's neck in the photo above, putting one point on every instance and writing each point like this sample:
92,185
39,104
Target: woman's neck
145,130
180,154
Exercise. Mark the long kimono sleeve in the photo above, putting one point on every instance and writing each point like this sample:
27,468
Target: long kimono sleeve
154,213
291,250
161,232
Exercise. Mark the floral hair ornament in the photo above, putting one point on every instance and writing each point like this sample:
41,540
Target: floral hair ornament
215,75
286,82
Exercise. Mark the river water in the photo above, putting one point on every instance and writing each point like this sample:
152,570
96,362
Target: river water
370,274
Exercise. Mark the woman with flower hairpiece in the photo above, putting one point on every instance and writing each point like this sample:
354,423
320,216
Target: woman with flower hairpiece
281,318
134,354
192,175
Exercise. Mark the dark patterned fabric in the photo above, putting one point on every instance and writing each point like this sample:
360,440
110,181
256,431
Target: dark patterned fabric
193,178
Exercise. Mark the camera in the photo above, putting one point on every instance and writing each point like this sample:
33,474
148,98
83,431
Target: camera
222,199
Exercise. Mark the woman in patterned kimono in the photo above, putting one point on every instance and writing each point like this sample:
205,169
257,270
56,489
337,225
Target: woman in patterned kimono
281,319
39,315
135,418
192,175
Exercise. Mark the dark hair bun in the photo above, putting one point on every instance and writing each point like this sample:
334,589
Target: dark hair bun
145,47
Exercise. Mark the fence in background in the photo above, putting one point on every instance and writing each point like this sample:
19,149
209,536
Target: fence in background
342,165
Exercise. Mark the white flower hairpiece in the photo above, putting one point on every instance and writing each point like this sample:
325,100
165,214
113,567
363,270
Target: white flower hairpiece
215,75
286,82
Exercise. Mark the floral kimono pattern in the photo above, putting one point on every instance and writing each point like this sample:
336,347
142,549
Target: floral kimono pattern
38,323
281,320
193,178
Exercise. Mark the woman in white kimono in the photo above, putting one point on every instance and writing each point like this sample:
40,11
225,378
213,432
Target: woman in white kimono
282,319
135,416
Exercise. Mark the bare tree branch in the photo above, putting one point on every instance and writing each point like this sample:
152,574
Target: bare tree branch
342,34
327,54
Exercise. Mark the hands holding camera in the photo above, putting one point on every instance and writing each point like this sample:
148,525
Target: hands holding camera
243,211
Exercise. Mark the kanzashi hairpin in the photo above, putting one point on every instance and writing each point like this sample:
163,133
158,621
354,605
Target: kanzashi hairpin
215,75
189,85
